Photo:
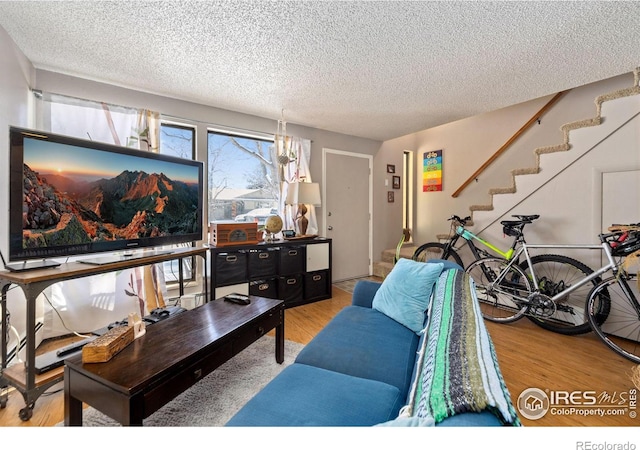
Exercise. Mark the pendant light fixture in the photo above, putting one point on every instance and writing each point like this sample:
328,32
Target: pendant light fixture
283,142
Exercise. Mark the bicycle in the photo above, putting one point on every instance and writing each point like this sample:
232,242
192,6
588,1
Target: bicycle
507,293
554,271
621,330
448,250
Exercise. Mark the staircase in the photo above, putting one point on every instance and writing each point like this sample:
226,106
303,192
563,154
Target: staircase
587,133
578,138
383,267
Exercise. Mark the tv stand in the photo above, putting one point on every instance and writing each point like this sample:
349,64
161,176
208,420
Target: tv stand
32,265
113,258
32,283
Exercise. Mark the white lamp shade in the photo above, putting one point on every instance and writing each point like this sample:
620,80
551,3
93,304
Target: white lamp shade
305,193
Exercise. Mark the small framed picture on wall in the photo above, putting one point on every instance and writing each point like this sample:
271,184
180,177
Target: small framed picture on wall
390,196
391,168
396,182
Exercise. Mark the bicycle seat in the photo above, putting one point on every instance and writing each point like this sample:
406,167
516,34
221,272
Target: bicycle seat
527,218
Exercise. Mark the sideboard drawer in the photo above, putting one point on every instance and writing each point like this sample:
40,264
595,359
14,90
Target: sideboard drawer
230,268
264,288
262,262
292,260
290,288
316,285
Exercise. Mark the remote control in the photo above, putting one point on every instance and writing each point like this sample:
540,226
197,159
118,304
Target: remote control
237,298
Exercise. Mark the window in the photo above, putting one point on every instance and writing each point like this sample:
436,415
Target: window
179,141
243,178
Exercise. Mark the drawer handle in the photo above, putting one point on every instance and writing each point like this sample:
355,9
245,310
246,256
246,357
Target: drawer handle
317,277
260,330
293,252
263,255
232,258
263,287
291,281
197,374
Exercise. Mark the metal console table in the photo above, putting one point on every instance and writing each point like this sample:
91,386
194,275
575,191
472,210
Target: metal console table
33,283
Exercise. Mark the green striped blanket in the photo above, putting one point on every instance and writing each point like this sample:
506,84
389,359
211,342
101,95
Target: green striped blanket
459,370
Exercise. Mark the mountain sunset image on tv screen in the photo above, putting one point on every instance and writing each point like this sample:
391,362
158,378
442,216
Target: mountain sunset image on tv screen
79,196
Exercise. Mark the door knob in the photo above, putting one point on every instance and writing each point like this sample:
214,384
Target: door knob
329,228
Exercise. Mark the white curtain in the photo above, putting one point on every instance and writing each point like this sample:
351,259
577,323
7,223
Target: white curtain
90,303
295,170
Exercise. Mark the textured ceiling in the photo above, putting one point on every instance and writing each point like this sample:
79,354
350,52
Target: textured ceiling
372,69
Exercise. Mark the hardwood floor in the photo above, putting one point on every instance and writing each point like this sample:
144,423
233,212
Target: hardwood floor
529,357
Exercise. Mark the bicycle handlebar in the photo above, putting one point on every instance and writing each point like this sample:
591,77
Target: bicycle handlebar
460,220
622,242
527,219
605,236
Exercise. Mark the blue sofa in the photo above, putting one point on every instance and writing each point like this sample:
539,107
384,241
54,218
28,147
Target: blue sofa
384,360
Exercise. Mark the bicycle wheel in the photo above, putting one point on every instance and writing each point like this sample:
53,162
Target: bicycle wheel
436,250
554,274
497,303
621,329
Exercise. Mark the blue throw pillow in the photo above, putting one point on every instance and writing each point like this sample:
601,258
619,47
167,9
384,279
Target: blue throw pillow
404,294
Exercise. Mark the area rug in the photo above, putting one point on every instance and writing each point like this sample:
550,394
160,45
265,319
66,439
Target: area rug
217,397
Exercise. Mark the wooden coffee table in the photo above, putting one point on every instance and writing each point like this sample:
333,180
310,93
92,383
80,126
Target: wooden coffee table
172,356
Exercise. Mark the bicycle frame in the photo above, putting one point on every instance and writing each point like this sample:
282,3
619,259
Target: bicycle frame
469,237
611,265
630,296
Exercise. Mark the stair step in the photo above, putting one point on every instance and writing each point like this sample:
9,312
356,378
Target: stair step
381,269
405,252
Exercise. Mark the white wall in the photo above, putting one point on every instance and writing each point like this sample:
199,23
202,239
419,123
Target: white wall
17,73
468,143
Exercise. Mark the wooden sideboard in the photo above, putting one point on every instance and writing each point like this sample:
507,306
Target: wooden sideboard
295,271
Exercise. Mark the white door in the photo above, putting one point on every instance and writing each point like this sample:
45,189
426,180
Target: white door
347,212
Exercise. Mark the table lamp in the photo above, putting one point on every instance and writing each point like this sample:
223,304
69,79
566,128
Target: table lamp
303,194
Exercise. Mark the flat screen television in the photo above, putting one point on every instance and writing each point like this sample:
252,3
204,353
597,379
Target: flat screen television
71,196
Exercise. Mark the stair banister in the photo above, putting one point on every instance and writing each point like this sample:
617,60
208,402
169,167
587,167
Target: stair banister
511,140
